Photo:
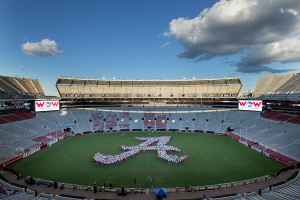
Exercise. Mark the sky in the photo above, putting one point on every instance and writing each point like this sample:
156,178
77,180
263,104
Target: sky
167,39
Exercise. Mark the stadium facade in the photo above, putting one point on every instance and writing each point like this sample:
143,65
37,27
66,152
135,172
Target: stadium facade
147,91
282,87
18,94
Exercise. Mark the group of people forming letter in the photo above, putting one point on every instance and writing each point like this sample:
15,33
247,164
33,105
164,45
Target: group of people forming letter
161,148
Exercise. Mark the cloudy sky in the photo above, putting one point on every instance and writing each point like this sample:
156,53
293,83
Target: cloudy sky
149,39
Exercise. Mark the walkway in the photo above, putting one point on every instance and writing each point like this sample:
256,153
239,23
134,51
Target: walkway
171,196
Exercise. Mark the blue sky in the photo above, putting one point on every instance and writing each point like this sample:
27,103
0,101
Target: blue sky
125,39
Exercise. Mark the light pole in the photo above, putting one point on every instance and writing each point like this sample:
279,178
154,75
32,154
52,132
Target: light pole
240,132
23,73
246,137
275,71
50,133
56,129
50,137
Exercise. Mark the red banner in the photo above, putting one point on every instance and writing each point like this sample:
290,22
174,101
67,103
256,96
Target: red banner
12,161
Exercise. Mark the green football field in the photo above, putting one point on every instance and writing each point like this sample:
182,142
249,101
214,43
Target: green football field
211,160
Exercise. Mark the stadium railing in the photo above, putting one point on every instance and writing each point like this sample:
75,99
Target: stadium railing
152,190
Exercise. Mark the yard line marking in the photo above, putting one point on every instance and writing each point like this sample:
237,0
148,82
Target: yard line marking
208,152
194,154
212,155
54,160
84,154
79,169
239,160
245,159
211,163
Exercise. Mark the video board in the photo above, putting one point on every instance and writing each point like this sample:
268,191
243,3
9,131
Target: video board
46,106
250,105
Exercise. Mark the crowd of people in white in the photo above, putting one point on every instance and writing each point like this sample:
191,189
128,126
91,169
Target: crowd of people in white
161,148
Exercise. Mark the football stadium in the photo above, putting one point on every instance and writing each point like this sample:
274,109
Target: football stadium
144,100
101,135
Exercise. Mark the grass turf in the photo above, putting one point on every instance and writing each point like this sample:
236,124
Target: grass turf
211,160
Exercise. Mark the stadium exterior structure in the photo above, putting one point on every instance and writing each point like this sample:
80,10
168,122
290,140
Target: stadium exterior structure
20,88
19,94
148,91
281,87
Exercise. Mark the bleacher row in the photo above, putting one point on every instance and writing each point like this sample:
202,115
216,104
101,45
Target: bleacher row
281,117
26,131
278,87
273,134
12,87
275,155
9,192
141,119
56,197
18,116
288,191
247,196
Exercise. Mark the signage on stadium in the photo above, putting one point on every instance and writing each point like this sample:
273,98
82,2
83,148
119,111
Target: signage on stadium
161,148
283,104
15,104
31,152
250,105
46,106
73,102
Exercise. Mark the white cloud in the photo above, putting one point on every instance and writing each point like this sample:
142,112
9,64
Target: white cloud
258,56
44,48
166,44
233,26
